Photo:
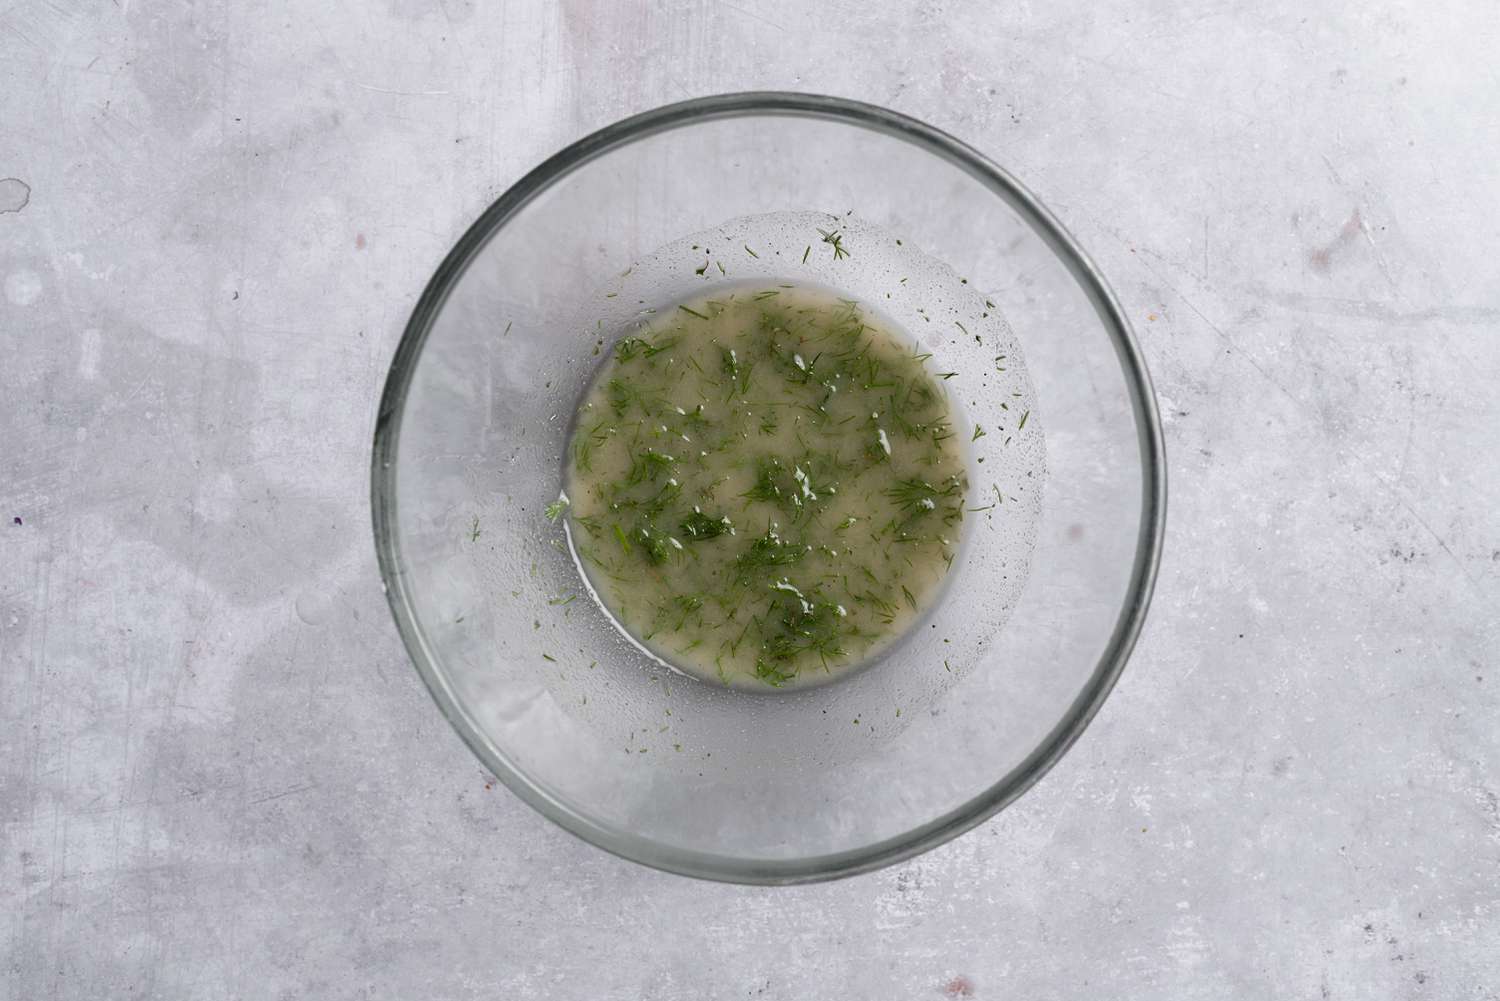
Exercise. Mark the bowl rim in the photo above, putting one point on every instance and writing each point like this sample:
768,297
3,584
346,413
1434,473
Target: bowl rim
1086,703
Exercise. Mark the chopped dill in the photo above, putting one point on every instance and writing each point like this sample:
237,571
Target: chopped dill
834,239
698,526
781,480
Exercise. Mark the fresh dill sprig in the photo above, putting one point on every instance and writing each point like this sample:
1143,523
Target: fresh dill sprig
770,550
649,465
698,526
916,496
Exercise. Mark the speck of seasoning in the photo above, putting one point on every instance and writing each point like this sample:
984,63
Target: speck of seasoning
17,519
506,333
548,656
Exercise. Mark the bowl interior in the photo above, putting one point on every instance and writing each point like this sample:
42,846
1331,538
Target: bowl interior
685,775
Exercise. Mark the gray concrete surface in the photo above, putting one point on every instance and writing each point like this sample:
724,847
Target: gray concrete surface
218,776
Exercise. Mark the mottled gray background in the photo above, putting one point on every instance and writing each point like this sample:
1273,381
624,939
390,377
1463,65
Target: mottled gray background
220,778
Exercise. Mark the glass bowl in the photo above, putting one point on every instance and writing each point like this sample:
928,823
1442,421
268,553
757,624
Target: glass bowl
968,710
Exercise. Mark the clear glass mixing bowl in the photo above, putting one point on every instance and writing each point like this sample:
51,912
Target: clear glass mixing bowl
680,774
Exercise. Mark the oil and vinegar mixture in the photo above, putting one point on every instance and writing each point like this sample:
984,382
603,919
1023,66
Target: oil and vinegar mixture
766,485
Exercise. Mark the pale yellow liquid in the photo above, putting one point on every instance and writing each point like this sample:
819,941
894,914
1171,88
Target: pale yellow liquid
760,575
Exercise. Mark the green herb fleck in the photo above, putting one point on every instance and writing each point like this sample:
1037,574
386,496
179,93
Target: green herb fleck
834,239
774,675
770,550
698,526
